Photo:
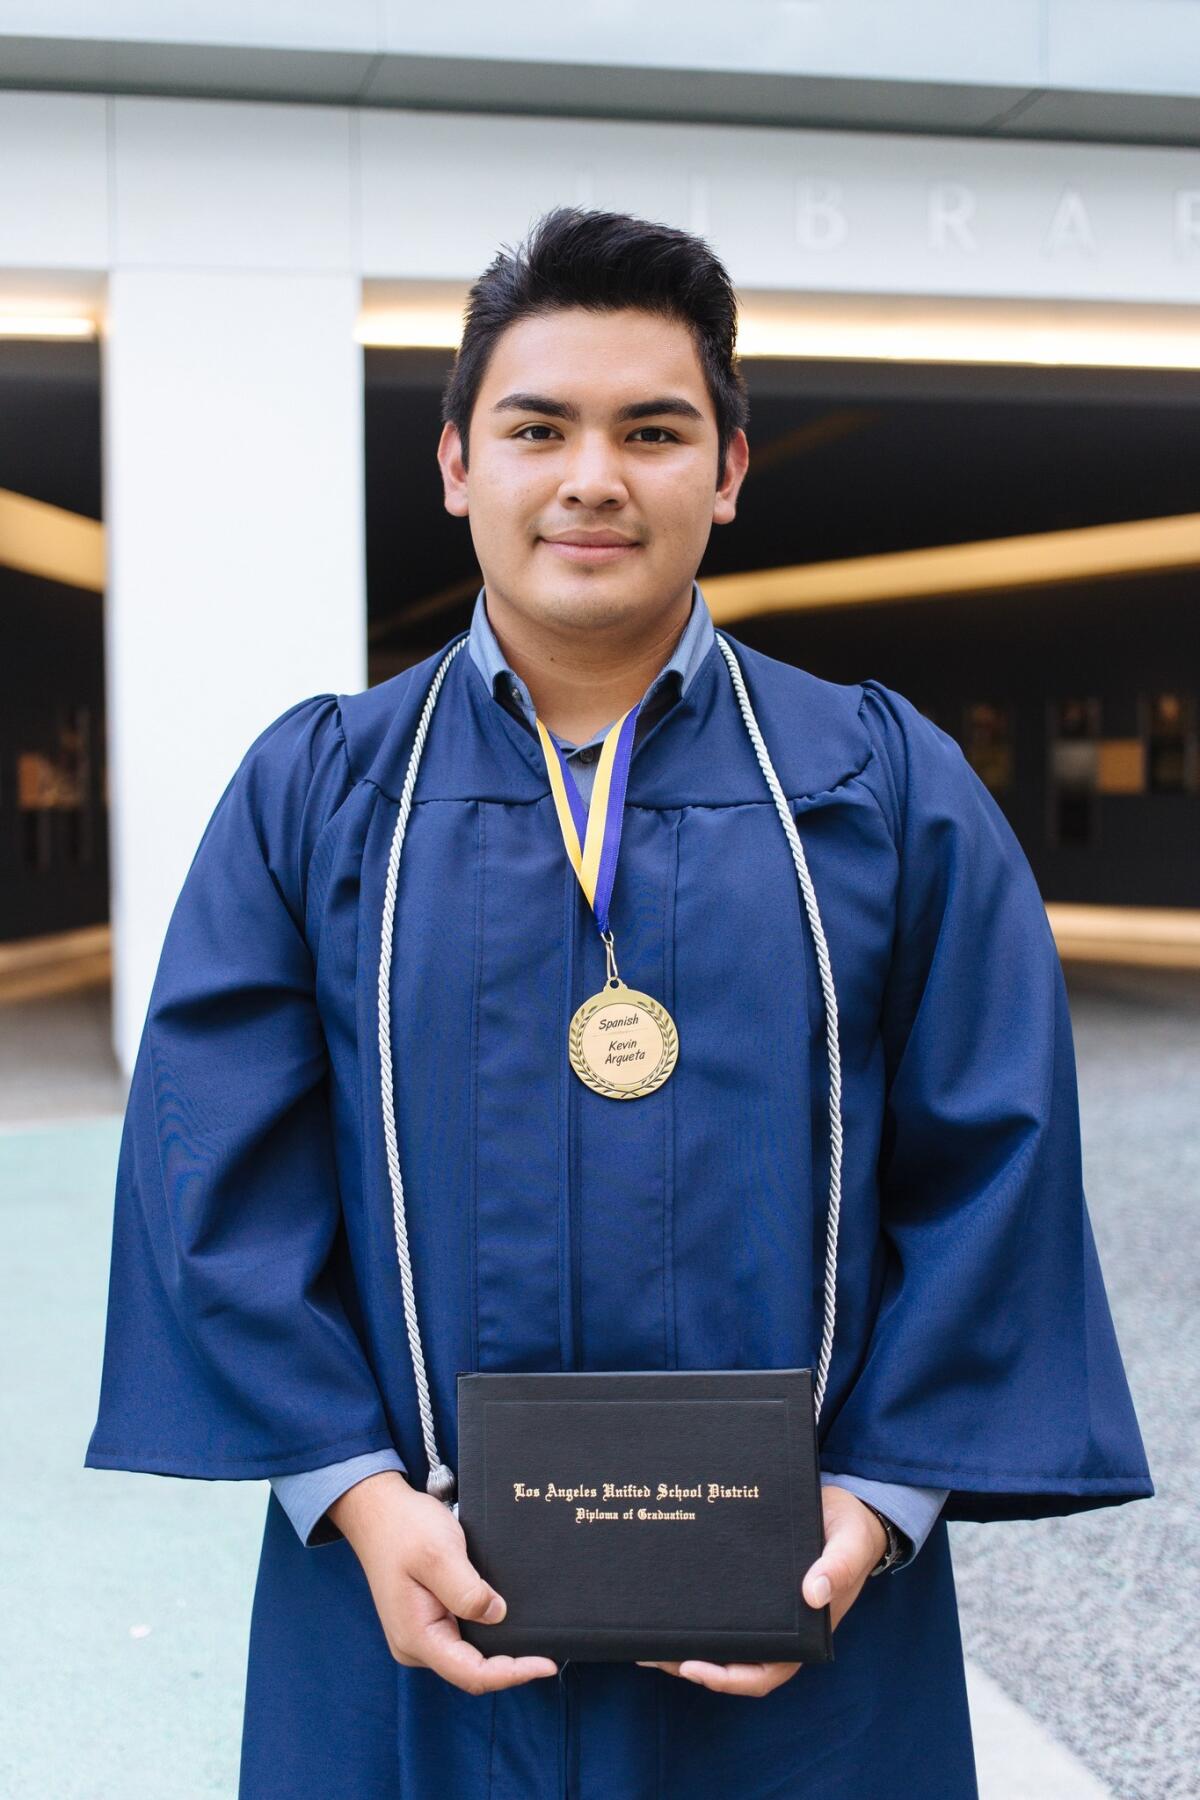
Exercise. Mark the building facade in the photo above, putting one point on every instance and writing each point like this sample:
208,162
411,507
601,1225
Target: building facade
892,189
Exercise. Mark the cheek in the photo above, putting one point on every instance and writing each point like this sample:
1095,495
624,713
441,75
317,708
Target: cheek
680,508
511,498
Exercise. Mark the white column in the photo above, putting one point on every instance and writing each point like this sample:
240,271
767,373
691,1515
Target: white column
233,472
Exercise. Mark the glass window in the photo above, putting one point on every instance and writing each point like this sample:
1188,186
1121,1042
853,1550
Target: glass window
988,744
1170,743
56,824
1074,757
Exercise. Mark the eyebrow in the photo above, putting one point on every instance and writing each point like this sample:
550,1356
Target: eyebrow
668,405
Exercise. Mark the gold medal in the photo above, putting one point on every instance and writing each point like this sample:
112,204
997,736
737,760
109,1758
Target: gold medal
622,1043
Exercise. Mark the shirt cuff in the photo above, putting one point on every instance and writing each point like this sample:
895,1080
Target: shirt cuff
914,1510
307,1497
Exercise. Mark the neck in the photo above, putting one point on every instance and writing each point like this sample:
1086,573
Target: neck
581,680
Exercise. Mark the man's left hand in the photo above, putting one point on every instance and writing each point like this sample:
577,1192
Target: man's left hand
854,1543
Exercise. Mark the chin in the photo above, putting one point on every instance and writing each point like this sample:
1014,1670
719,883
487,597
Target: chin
593,608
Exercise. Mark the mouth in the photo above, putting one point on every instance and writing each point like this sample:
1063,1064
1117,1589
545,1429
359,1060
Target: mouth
600,547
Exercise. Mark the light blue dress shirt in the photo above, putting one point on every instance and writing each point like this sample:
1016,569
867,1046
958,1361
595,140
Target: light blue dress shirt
307,1497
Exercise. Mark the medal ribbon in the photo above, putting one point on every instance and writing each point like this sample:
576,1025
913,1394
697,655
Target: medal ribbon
592,835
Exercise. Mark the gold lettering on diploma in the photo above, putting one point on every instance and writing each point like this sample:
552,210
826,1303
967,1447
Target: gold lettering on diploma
708,1492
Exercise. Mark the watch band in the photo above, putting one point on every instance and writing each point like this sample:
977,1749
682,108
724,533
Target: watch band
897,1543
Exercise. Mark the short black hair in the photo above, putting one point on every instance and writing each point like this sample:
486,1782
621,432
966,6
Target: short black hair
604,262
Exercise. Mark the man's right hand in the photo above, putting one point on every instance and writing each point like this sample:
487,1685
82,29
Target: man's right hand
414,1554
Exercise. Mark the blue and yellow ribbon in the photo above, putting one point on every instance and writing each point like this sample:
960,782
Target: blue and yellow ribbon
592,835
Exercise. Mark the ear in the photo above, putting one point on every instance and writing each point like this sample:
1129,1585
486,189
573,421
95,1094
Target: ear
737,461
454,471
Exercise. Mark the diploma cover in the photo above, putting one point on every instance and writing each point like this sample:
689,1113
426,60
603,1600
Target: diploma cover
646,1515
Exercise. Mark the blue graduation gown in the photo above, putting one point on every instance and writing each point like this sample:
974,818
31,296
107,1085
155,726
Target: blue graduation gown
256,1326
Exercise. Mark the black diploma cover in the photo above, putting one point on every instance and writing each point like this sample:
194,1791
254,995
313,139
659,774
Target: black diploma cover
644,1515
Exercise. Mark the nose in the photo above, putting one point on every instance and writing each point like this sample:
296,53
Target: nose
593,477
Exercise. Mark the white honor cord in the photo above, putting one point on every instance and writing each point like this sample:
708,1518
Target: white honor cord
831,1017
441,1480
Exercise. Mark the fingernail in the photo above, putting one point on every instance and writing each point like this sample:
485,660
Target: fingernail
821,1590
496,1610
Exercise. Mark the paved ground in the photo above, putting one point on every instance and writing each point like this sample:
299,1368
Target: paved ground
1089,1622
56,1059
123,1633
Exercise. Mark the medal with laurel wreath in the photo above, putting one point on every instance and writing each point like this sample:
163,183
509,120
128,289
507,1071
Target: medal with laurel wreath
622,1043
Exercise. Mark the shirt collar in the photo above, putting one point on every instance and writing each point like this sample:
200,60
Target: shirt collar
506,685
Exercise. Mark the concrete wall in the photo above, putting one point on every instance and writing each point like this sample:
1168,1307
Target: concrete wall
948,40
92,182
367,50
233,490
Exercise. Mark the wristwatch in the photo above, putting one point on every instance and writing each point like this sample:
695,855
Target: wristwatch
898,1544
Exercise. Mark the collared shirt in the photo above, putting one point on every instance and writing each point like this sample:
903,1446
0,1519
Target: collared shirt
672,681
306,1497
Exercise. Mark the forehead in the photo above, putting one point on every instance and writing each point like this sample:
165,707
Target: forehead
605,357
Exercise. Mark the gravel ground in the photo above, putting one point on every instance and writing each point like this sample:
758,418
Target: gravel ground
1089,1622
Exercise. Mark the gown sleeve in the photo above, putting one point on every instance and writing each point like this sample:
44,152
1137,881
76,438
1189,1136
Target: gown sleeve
992,1368
230,1352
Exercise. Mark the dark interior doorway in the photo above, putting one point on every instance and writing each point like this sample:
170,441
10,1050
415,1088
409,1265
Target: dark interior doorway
1078,705
53,782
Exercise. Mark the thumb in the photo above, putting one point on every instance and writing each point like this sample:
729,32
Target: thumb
833,1572
460,1587
474,1598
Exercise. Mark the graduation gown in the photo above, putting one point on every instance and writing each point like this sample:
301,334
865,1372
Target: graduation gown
256,1324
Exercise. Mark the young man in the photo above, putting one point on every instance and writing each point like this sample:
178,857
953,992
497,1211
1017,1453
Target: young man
594,434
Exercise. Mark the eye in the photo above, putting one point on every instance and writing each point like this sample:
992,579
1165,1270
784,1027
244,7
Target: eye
664,436
525,428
